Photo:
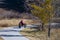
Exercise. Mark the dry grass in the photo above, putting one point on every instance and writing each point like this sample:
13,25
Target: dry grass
39,35
6,22
1,38
15,22
55,34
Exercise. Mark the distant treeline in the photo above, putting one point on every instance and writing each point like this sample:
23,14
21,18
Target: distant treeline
17,5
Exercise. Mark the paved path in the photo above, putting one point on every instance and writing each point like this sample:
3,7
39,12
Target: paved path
12,33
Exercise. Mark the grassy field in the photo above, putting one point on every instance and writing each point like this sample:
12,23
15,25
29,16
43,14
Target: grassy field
15,22
32,34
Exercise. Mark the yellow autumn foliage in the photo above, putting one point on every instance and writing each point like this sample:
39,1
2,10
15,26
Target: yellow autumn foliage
43,13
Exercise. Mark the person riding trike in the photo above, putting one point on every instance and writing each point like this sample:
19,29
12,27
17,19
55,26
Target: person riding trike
21,23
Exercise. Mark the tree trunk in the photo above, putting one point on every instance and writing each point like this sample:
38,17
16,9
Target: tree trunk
49,30
42,26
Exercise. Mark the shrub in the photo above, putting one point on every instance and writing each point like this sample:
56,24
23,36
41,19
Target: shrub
4,25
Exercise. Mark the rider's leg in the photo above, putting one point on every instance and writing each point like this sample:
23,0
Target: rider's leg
19,25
